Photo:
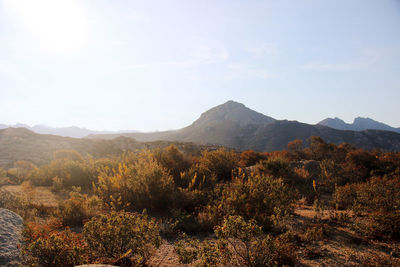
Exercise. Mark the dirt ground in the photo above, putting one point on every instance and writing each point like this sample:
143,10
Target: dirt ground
340,246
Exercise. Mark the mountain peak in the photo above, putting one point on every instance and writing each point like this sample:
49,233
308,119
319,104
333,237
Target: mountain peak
359,124
234,112
232,103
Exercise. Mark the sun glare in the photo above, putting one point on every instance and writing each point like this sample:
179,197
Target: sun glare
58,25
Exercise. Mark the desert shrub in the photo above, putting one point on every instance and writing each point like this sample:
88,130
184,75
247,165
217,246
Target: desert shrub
250,157
319,149
18,203
379,198
198,179
78,207
47,245
295,149
122,234
344,196
21,171
331,176
3,173
174,161
218,163
263,198
249,245
384,224
375,260
276,167
210,216
187,249
4,180
63,173
142,183
379,194
360,164
185,222
314,233
204,253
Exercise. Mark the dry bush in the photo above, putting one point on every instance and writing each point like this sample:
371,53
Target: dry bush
78,208
48,245
250,157
314,233
141,183
174,161
380,199
18,203
262,198
249,246
122,235
218,163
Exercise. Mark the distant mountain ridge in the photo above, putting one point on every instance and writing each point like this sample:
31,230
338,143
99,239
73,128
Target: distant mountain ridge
72,131
359,124
23,144
234,125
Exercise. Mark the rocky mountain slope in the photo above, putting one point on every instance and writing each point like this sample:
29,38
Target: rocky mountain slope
234,125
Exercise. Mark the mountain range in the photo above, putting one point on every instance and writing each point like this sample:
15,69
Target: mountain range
231,125
234,125
359,124
71,131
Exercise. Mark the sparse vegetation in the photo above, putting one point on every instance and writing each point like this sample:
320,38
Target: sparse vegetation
221,206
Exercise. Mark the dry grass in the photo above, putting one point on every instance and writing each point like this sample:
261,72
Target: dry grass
38,195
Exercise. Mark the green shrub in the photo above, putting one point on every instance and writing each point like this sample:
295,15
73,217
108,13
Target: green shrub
122,234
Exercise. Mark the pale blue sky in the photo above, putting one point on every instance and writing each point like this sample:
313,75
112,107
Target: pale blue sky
156,65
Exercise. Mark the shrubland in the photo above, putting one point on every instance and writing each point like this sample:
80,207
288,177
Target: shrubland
219,206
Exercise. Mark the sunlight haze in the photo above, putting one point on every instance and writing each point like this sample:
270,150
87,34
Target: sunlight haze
157,65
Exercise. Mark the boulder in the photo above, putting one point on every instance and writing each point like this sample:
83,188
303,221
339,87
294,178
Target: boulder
11,225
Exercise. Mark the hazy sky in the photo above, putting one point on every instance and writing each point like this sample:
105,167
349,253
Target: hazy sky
156,65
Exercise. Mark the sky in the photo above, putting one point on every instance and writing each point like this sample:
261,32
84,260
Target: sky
157,65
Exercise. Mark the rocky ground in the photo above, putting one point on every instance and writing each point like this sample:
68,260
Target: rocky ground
11,225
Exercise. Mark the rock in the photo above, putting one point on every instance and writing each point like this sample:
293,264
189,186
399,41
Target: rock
11,225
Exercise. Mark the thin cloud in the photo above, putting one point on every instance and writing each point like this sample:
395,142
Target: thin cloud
368,59
246,71
201,54
260,50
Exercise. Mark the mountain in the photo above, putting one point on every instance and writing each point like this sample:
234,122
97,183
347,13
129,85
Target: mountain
23,144
359,124
234,112
234,125
71,131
